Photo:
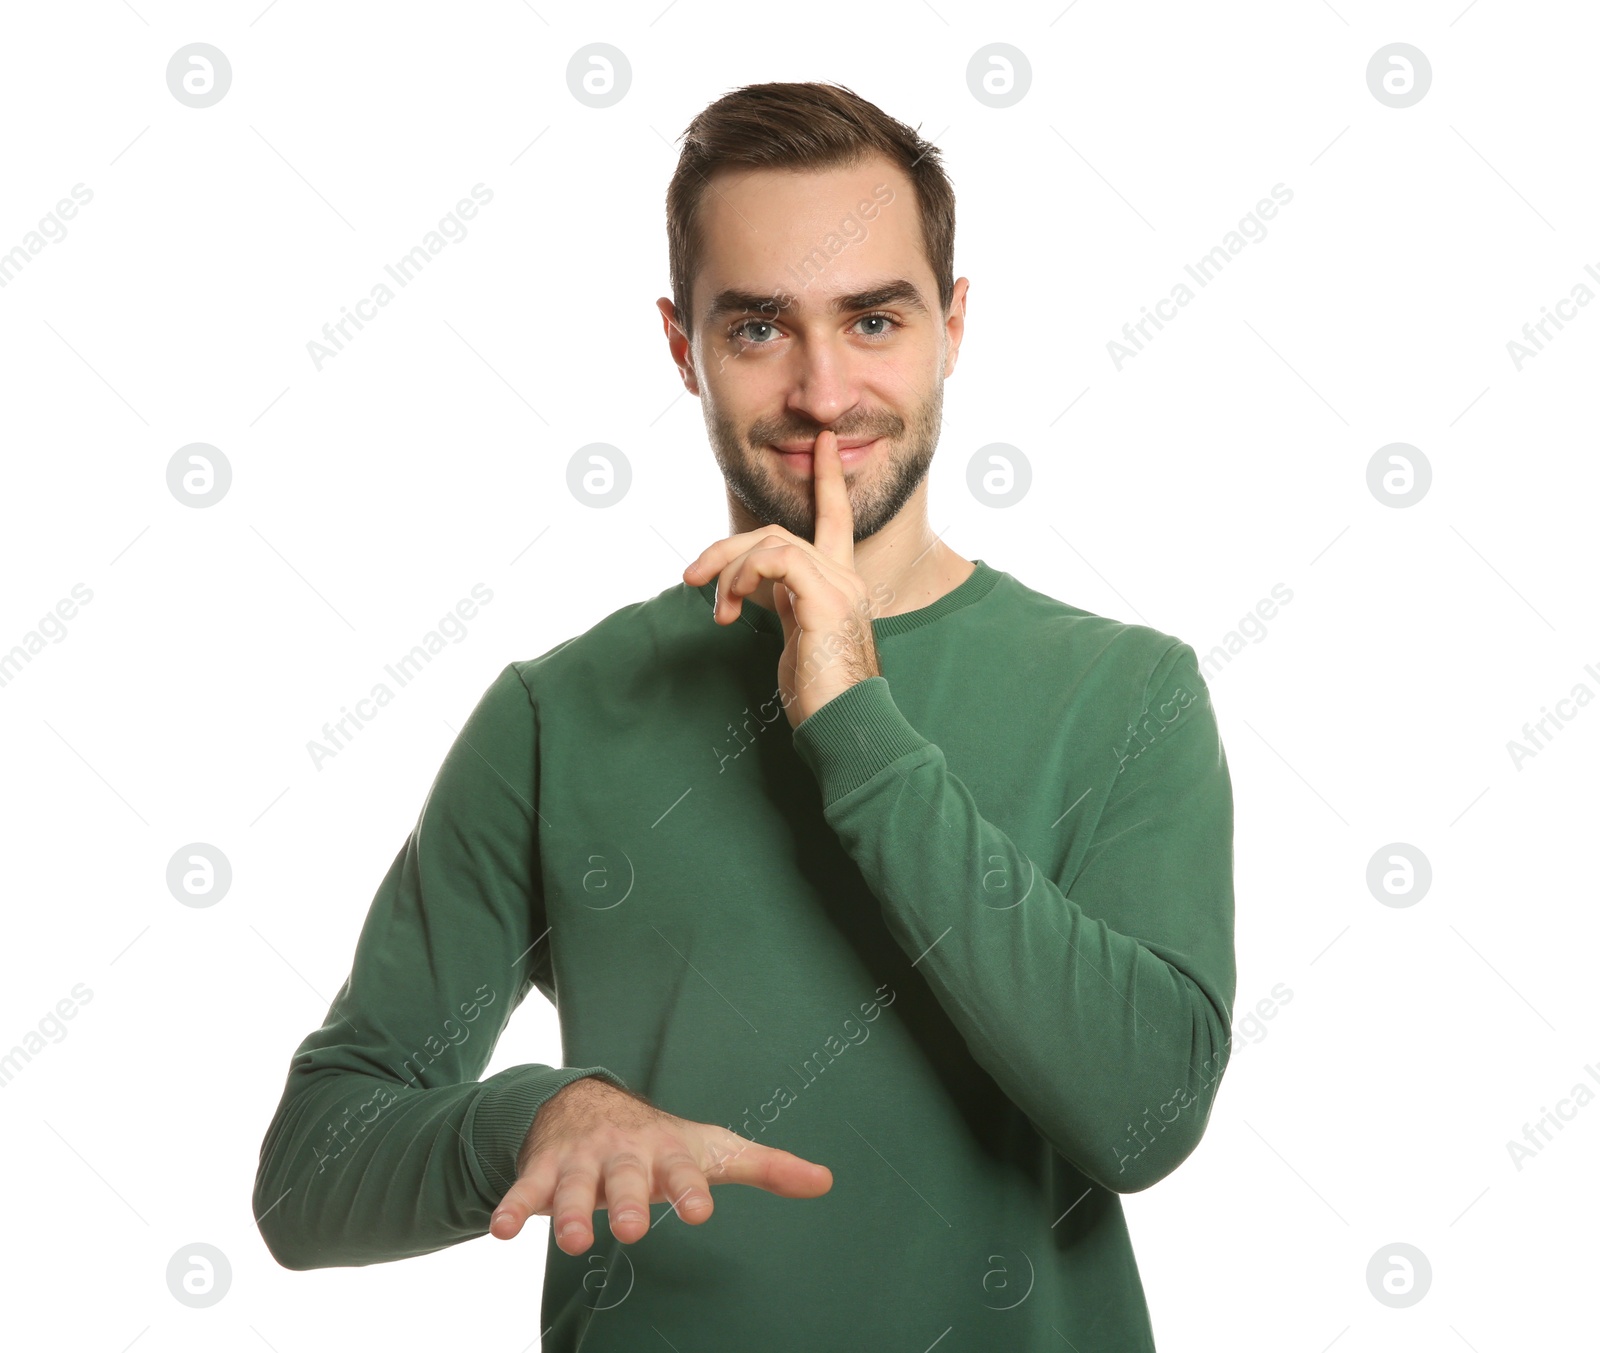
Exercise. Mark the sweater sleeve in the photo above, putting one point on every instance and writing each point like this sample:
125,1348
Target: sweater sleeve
1100,1003
385,1144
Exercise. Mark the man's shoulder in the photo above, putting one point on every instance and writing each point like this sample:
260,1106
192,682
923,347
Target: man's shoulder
1089,642
616,643
1104,677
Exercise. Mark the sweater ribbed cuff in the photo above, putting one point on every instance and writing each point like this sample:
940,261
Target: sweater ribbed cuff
854,736
497,1124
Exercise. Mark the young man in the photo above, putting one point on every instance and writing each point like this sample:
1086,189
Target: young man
862,873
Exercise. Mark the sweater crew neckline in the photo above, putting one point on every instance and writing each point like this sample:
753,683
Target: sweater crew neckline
977,584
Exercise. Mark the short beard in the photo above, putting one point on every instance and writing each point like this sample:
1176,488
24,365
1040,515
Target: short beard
771,499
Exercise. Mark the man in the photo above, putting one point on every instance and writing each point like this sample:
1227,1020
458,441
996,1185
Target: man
862,873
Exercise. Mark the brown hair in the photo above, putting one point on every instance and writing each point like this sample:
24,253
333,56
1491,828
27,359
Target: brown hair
801,126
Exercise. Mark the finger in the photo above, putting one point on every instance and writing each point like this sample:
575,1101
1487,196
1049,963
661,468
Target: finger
627,1190
684,1185
730,594
834,534
714,557
528,1197
508,1219
793,565
766,1167
572,1218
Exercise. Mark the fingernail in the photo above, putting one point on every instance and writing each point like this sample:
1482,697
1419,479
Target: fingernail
569,1228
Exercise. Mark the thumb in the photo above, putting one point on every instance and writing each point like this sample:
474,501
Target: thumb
737,1160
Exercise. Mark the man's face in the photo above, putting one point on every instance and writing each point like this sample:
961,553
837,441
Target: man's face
815,307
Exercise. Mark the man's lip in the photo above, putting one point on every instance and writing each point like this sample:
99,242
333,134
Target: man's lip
804,448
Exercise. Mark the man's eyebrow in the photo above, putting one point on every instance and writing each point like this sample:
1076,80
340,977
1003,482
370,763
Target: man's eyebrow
896,291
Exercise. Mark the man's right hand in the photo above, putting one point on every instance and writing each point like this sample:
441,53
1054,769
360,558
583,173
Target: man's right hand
592,1145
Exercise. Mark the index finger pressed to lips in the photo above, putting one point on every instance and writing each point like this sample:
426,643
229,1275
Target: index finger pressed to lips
834,535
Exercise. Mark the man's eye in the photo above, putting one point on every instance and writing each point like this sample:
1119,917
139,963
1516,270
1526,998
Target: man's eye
738,330
889,320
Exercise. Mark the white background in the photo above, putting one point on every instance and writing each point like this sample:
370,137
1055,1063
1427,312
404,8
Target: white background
368,498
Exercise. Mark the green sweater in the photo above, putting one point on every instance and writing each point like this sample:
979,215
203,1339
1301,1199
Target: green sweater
964,936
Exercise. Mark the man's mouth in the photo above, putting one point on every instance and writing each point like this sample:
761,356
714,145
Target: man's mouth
851,451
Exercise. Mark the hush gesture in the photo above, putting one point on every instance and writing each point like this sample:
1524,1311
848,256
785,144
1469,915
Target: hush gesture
820,598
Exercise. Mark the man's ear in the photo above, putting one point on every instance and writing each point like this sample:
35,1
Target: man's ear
955,325
678,344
